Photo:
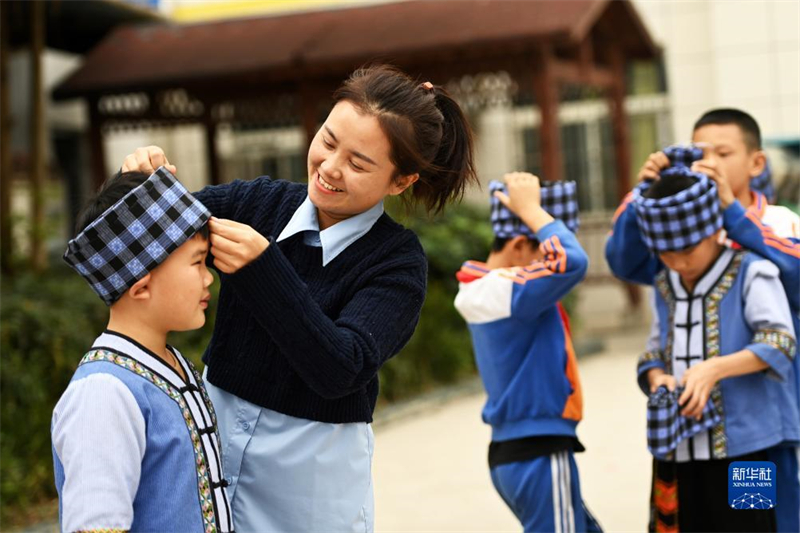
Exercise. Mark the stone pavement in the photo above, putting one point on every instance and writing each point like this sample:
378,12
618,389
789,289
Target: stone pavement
431,474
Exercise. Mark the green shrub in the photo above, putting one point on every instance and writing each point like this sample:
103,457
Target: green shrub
47,325
441,350
48,322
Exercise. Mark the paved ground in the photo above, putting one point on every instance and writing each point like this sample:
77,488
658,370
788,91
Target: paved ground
431,474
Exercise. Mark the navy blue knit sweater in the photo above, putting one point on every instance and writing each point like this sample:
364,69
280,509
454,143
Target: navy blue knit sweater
301,339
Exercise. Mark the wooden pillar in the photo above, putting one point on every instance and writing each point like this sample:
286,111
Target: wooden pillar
545,90
38,132
210,126
619,123
5,146
622,148
309,102
586,57
98,159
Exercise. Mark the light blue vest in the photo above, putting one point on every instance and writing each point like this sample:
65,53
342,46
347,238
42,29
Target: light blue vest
759,410
181,486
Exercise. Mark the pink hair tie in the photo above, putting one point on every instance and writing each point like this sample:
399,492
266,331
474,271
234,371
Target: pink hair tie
428,86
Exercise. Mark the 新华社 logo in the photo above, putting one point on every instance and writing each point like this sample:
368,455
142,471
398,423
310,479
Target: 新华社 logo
752,485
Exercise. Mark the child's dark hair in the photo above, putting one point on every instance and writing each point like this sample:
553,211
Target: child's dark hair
669,186
750,130
499,243
427,131
110,193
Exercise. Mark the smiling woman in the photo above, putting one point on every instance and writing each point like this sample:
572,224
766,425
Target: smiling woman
319,288
344,181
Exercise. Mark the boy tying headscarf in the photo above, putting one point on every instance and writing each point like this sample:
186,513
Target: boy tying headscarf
524,353
734,159
723,331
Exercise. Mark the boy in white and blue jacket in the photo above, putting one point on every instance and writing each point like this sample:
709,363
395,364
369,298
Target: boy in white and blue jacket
723,330
524,352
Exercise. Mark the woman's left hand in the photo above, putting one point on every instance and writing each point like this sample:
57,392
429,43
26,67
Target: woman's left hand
234,245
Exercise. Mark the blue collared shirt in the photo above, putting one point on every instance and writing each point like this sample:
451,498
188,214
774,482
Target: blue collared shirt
335,239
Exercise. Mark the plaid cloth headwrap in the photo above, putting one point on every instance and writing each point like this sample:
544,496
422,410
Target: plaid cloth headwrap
681,155
763,183
666,427
685,155
135,235
559,199
679,221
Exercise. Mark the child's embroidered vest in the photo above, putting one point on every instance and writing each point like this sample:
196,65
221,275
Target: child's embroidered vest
181,487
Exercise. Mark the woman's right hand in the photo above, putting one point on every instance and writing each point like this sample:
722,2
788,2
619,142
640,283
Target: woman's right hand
147,160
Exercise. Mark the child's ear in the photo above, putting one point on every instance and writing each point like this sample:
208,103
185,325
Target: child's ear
759,163
141,289
519,243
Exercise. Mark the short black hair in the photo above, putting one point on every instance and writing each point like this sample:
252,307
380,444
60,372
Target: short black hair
112,191
669,186
499,243
750,130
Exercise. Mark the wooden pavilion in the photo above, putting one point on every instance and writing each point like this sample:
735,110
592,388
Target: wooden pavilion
259,70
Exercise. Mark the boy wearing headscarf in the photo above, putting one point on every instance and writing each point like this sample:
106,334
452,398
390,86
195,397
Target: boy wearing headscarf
135,441
732,156
722,330
728,150
521,338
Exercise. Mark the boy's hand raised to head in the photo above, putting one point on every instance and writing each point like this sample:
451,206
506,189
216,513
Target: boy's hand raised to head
147,160
524,192
234,245
524,199
651,170
711,168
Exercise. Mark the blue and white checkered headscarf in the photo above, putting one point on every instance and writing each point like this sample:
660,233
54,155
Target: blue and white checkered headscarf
135,235
683,155
679,221
763,184
559,199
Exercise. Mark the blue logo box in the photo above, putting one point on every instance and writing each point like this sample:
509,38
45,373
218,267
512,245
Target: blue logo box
752,485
